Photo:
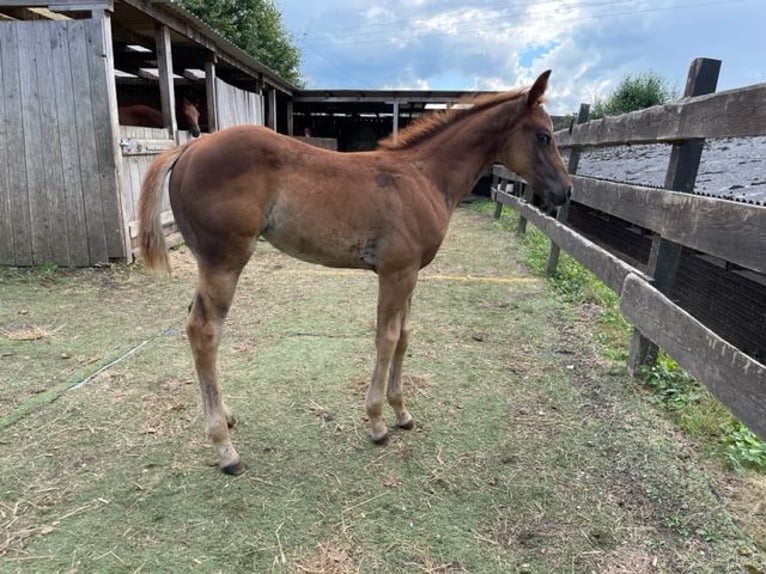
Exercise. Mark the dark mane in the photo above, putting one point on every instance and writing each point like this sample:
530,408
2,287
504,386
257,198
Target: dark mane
430,124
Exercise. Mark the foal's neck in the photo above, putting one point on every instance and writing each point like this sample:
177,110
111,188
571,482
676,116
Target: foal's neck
456,157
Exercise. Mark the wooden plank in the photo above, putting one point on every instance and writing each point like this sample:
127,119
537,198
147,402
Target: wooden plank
104,20
142,146
73,202
503,172
211,94
101,76
726,229
7,48
271,120
34,144
87,142
733,113
607,267
225,51
165,71
61,4
51,195
13,62
735,379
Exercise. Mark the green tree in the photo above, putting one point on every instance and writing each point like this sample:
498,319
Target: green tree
256,27
633,93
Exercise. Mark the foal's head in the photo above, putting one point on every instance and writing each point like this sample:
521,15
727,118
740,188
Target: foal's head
531,151
191,114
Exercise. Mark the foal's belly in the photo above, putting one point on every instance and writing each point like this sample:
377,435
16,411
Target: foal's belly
325,249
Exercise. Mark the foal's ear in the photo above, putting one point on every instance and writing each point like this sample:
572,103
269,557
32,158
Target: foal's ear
538,88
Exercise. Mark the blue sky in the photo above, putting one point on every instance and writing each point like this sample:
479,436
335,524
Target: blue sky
493,45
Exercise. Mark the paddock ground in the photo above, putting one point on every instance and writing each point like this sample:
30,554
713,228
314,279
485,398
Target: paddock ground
533,453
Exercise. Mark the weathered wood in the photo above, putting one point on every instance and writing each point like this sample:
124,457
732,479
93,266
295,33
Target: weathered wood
13,62
681,175
527,193
165,72
211,93
607,267
139,146
271,120
12,187
52,208
504,173
733,113
290,119
563,213
236,106
61,4
77,34
101,76
737,380
226,52
71,186
34,144
726,229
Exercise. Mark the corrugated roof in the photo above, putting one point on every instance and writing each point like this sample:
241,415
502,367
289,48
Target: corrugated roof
730,168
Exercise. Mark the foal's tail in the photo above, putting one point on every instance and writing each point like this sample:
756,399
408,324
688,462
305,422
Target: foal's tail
150,237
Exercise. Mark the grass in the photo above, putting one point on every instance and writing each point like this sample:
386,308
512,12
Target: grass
531,453
688,403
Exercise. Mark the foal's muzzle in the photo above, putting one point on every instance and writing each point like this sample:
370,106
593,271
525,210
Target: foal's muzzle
560,196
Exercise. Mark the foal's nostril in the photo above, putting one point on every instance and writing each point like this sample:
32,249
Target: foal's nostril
569,193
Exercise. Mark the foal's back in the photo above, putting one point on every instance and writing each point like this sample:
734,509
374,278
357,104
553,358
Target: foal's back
357,210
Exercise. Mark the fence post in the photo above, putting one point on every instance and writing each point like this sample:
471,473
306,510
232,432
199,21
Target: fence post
563,213
527,193
495,187
680,176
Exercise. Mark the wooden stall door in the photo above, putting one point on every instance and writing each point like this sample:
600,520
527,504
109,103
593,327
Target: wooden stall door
139,147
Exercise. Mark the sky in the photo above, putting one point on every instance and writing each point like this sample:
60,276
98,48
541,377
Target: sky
590,45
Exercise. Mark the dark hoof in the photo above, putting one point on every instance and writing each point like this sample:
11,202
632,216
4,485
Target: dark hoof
234,468
381,441
409,425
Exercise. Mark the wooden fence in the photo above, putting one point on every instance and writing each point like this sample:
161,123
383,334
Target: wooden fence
690,270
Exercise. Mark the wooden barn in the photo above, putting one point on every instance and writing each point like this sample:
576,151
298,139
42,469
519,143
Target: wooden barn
69,172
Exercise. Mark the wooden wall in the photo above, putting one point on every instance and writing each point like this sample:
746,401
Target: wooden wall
236,106
58,187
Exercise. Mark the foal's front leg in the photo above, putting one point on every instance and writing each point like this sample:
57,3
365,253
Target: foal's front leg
393,299
395,397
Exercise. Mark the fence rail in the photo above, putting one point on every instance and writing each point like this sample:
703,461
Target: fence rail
690,270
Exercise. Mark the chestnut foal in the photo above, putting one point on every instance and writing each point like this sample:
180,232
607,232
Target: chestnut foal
385,210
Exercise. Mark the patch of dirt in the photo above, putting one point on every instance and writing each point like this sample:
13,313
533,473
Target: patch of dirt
328,558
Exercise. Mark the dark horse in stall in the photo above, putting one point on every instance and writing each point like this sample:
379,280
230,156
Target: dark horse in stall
385,210
147,116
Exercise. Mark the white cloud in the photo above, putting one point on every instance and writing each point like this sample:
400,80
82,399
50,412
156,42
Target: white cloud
589,44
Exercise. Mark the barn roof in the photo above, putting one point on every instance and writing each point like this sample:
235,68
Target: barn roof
134,23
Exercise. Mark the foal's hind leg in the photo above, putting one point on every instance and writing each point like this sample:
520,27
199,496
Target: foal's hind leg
395,398
203,328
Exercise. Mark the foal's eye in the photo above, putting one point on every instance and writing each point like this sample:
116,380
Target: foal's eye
543,138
